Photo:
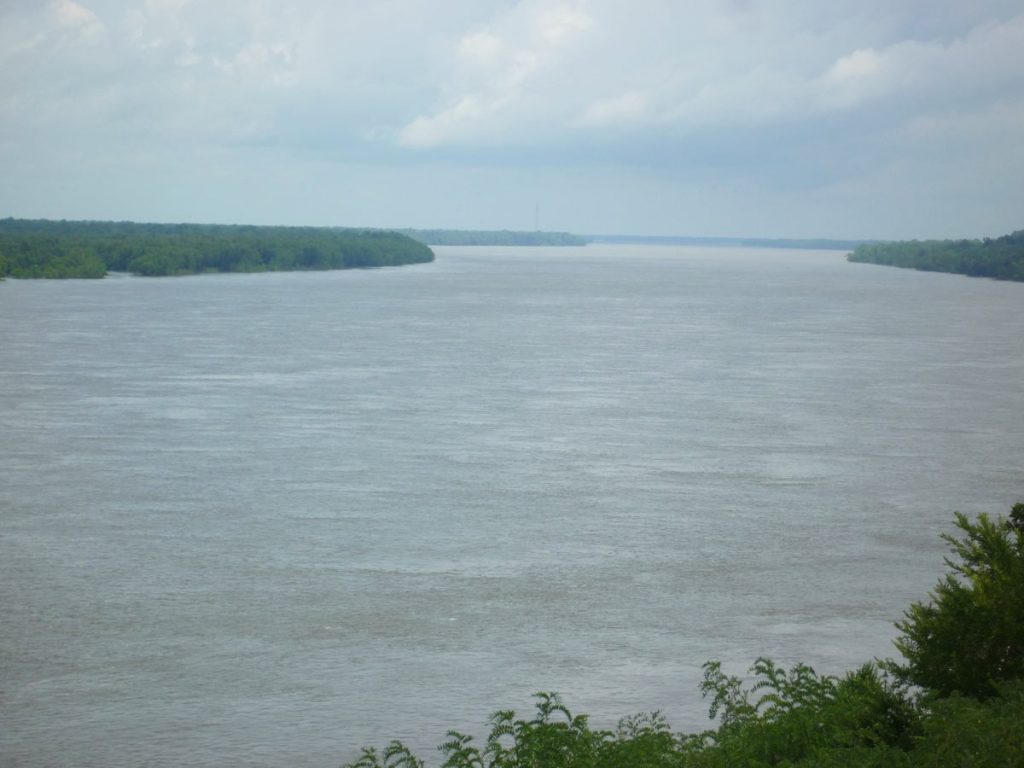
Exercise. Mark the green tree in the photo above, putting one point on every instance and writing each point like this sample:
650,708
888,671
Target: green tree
58,249
1001,258
962,731
801,717
964,649
970,636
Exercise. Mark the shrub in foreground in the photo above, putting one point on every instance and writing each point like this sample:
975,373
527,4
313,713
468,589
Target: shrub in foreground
956,700
970,636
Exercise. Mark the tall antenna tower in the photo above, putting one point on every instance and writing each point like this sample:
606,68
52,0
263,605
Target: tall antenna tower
536,217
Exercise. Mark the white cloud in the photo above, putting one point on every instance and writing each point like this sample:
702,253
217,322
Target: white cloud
480,49
259,63
985,60
77,19
859,64
536,73
562,22
802,95
626,108
499,70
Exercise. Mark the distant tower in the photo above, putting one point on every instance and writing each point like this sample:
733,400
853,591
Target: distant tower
536,217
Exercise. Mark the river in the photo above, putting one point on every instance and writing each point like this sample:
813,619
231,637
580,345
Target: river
266,519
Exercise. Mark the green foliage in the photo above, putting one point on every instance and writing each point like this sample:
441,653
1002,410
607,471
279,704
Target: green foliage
395,755
790,717
963,651
644,741
795,718
963,731
553,738
48,257
1001,258
89,249
782,718
970,636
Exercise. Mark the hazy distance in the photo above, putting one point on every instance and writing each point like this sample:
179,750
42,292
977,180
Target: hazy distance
739,119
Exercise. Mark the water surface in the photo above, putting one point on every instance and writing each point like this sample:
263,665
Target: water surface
267,519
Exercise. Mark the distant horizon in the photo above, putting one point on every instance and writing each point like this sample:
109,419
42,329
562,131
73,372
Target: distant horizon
896,120
622,236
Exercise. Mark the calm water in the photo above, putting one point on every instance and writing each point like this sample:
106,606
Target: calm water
267,519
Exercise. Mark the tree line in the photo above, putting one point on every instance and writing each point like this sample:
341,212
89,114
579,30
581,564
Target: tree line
90,249
1001,258
817,243
491,237
955,699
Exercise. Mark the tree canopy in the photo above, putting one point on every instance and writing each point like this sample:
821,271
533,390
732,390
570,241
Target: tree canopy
969,638
56,249
1001,258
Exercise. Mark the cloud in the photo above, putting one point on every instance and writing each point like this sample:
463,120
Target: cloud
626,108
499,69
77,18
532,74
493,75
760,100
982,63
537,72
855,66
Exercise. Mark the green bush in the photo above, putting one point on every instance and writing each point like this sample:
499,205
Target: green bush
957,700
962,732
970,636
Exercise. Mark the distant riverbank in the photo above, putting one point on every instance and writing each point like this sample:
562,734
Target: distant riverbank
91,249
1001,258
818,243
491,237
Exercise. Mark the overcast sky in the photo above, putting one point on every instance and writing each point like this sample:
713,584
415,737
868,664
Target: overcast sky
862,118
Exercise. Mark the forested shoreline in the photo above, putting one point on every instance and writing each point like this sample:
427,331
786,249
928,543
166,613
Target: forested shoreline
90,249
955,699
491,237
817,244
1001,258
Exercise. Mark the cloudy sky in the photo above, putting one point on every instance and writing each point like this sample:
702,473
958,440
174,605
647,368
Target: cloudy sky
849,118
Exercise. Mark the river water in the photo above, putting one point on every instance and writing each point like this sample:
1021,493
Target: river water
266,519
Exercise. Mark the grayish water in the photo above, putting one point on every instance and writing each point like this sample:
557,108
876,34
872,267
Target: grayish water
266,519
